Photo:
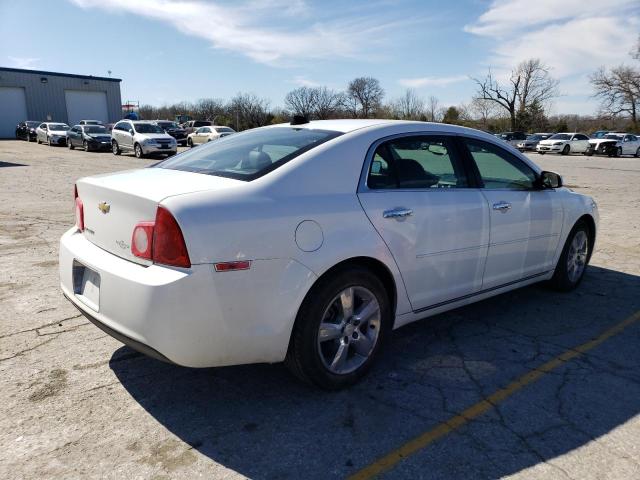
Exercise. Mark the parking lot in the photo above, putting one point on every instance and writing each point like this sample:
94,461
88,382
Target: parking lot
513,386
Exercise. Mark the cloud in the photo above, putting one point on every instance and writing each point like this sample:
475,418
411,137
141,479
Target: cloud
248,27
22,62
573,38
304,81
431,81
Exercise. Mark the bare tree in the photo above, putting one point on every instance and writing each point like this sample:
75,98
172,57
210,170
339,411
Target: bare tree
433,109
529,83
209,108
249,111
482,110
619,91
409,107
301,101
327,103
364,96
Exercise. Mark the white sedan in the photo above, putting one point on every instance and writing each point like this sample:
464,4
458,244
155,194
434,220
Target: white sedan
564,143
308,243
52,133
615,144
207,134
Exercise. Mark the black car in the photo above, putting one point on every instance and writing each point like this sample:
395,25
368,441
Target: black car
27,130
89,137
173,129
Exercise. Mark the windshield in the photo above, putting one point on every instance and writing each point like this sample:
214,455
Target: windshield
251,154
613,137
58,126
147,128
201,123
95,129
168,125
533,137
560,136
32,124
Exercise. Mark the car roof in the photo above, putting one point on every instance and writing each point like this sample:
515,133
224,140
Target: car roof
343,126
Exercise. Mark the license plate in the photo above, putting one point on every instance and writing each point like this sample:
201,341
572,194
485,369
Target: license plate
86,285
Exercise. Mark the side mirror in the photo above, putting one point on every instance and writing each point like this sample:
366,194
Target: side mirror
548,180
131,131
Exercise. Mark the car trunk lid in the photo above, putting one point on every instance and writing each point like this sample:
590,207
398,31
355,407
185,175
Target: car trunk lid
114,203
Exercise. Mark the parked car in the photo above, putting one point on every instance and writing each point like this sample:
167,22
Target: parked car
308,243
27,130
192,125
207,134
173,129
142,138
615,144
512,138
564,143
531,141
90,122
89,137
52,133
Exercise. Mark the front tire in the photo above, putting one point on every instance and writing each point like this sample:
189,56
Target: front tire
619,152
340,328
574,259
190,143
115,148
70,144
566,150
637,154
85,145
137,149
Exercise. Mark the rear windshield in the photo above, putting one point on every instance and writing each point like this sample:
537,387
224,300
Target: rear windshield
168,125
251,154
201,123
32,124
613,137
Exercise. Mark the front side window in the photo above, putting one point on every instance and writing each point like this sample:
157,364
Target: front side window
416,162
498,168
251,154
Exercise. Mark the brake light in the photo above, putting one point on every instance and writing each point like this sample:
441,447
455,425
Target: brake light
79,209
160,241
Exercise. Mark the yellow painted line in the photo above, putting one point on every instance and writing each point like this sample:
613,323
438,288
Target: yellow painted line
416,444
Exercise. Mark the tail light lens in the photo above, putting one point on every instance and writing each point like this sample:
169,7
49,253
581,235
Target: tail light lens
79,209
161,241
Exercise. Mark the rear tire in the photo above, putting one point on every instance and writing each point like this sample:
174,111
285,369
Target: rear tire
190,143
38,140
115,148
637,154
566,150
573,260
619,152
354,308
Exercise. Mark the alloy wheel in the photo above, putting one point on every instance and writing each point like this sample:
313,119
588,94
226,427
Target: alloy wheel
349,330
577,256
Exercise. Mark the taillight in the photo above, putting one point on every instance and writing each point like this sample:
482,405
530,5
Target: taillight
79,209
160,241
142,240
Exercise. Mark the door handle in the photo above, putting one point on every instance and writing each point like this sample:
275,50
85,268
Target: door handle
504,207
397,213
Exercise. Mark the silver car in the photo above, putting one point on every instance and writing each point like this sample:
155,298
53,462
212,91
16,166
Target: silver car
141,138
532,141
52,133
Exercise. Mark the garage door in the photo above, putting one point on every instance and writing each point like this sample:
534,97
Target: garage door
86,106
13,110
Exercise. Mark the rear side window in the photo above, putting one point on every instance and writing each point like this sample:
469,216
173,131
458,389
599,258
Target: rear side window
251,154
416,162
498,168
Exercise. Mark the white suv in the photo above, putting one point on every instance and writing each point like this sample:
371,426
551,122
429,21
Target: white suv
142,138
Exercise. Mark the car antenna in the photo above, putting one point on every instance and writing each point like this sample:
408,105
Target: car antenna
299,120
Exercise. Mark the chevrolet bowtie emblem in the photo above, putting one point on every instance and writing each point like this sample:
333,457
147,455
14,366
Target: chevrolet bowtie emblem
104,207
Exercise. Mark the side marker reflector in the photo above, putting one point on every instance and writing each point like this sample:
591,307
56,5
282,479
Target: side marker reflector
231,266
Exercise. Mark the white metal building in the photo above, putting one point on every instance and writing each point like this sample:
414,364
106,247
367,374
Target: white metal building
56,97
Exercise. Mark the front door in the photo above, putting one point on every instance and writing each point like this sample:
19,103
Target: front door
417,196
525,222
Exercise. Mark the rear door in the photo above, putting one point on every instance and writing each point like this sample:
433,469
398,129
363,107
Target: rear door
417,196
525,222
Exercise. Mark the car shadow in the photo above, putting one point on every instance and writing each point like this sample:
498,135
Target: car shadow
11,164
262,423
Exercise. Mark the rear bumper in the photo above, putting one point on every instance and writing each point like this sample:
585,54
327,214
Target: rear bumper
193,317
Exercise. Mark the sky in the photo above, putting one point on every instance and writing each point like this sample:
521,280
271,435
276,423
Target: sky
167,51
